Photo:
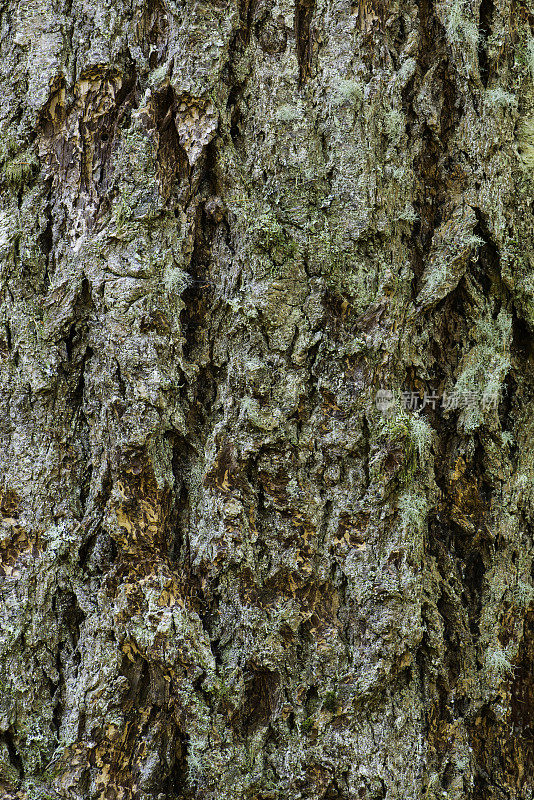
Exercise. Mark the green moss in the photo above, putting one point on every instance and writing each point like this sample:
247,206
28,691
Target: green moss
36,791
524,55
327,252
330,702
263,788
18,171
9,147
443,274
195,762
410,432
175,280
514,251
408,214
157,76
420,435
395,426
221,691
123,212
271,238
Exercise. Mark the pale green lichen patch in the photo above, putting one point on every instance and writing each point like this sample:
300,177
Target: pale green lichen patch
289,113
499,664
453,245
500,98
525,143
482,371
347,90
460,28
530,55
413,510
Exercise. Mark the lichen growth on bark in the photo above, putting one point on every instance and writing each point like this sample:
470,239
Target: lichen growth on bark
226,571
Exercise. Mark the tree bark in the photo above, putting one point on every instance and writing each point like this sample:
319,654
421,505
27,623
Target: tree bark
267,408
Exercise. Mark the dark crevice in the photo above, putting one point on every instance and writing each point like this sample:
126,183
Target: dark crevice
366,452
484,27
56,696
233,104
72,617
261,499
522,344
261,693
433,167
120,380
86,547
177,778
452,635
198,298
78,391
173,164
69,340
46,242
304,10
14,756
455,550
504,748
235,122
487,268
137,674
247,9
522,702
183,459
75,336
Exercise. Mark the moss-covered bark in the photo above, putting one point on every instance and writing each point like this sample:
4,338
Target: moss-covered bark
227,571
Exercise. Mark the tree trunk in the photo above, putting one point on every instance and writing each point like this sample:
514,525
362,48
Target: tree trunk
267,408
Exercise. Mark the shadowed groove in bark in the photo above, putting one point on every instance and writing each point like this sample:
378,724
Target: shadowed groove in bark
261,691
433,165
246,16
486,12
522,702
14,756
304,10
152,32
172,159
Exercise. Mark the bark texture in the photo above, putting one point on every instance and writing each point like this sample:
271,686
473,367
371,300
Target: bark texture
226,571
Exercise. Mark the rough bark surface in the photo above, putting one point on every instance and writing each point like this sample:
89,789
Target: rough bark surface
226,571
